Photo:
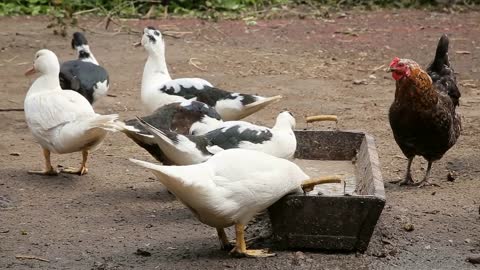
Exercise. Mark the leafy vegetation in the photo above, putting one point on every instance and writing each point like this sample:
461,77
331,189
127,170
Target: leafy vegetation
197,8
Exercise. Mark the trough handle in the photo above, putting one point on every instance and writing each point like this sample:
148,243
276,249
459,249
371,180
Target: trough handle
322,117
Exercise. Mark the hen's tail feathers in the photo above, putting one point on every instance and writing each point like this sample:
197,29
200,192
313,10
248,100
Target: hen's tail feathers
258,105
106,122
441,55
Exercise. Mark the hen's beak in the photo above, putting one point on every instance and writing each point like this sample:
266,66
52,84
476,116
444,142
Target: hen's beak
137,44
390,69
30,71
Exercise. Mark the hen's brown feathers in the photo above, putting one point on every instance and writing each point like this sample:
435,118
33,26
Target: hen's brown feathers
423,116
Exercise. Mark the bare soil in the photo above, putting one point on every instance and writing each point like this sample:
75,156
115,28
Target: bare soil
98,221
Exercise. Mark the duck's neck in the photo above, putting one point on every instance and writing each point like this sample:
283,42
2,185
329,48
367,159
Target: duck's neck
155,73
282,124
44,83
85,54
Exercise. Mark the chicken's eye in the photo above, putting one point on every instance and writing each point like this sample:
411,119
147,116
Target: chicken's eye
401,65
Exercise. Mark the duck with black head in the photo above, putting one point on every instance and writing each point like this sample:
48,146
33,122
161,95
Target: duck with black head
84,75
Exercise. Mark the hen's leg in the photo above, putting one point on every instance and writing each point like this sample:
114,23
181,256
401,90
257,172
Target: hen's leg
49,170
408,180
83,168
425,181
240,248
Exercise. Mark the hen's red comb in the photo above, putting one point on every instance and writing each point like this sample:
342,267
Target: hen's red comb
394,61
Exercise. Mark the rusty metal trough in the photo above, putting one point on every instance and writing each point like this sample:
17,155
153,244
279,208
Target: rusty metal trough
332,222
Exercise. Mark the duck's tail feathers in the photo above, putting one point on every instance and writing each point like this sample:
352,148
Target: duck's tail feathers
162,135
106,122
158,170
123,127
170,176
148,165
176,147
258,105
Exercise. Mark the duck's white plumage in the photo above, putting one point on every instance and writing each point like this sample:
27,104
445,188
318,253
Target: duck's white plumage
232,186
159,89
62,121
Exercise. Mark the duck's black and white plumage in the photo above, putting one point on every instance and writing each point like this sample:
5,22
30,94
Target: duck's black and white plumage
159,89
188,117
84,75
182,149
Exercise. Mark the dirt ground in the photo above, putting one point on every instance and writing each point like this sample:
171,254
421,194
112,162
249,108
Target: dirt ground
335,66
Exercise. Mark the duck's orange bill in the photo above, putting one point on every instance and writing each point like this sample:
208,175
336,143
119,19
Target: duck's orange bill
30,71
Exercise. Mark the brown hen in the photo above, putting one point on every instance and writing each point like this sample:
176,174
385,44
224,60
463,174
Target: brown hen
423,114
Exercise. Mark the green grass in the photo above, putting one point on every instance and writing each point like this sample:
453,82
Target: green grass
198,8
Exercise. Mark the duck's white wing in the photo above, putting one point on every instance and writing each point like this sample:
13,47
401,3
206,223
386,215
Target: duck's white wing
50,110
254,183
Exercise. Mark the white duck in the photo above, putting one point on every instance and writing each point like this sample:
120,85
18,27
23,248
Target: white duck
159,89
180,149
62,121
232,187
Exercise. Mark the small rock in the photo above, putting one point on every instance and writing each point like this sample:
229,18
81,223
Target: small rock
475,259
433,193
408,227
451,176
142,252
372,76
468,240
299,255
450,241
428,247
15,154
360,82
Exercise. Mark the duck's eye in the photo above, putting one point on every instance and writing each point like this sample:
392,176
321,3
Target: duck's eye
157,33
